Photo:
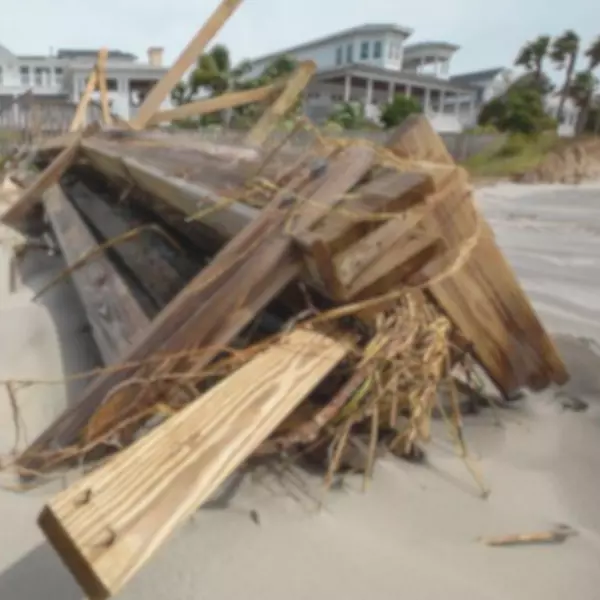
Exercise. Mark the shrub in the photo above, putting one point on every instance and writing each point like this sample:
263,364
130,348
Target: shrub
398,109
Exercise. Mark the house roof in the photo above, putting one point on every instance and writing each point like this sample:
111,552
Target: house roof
369,29
416,47
364,69
473,76
72,53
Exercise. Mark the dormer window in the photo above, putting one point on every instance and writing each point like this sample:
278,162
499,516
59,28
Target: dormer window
364,51
377,50
339,55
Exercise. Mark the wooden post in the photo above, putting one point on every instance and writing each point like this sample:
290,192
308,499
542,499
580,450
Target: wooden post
106,526
80,114
101,69
186,59
210,105
295,84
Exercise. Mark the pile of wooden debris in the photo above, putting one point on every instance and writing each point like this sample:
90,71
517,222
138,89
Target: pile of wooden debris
270,298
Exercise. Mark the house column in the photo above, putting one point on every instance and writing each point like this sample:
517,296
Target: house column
391,91
369,96
427,104
472,111
408,90
347,88
441,101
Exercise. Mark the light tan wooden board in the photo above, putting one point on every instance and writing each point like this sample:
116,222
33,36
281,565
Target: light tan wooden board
106,526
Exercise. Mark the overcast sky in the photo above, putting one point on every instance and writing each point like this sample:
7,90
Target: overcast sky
489,33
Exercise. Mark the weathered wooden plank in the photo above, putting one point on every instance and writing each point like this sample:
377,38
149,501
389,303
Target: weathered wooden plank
185,60
143,254
50,175
211,105
115,316
102,86
106,526
92,82
294,86
483,297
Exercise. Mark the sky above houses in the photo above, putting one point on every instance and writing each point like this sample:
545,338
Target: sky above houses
489,33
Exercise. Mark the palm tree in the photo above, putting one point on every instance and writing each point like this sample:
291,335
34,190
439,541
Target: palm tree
532,56
564,52
593,55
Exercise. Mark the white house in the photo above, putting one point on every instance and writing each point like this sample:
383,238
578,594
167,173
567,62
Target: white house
372,63
64,75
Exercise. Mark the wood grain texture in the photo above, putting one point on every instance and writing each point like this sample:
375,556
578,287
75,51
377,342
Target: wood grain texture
211,105
115,316
161,269
293,88
186,59
106,526
483,297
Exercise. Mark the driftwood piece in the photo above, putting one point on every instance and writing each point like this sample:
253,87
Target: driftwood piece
211,105
293,88
483,297
114,314
106,526
161,268
185,60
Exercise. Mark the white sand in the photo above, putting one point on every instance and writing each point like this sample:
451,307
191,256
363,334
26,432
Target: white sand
415,532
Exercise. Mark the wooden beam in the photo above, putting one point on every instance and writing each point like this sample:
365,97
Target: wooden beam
114,314
81,111
101,69
211,105
269,119
106,526
145,255
50,175
185,60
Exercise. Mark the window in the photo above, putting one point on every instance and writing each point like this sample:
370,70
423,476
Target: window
350,53
339,56
377,48
112,85
364,51
58,76
38,78
25,76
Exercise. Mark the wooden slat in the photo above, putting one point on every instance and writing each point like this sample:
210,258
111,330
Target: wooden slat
80,113
150,257
106,526
211,105
115,316
269,119
483,297
101,69
185,60
50,175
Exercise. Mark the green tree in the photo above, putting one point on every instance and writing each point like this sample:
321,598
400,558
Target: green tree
520,110
398,109
533,55
564,53
593,56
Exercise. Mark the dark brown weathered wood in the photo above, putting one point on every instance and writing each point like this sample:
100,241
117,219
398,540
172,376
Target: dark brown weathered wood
152,258
114,314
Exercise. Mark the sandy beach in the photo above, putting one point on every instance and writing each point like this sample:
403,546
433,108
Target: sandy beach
416,531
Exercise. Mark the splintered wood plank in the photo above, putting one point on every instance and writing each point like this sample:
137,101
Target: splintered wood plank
114,314
482,296
106,526
92,83
390,191
50,175
102,86
269,119
186,59
211,105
